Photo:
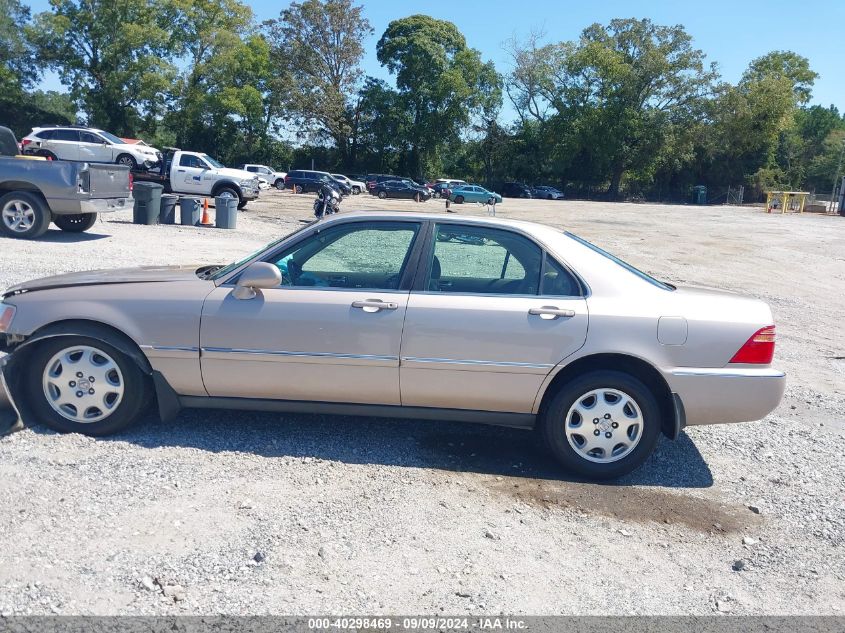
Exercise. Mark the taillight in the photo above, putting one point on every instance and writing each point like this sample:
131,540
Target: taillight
25,142
6,315
759,349
131,181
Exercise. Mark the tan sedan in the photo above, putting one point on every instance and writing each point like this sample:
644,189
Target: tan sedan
458,318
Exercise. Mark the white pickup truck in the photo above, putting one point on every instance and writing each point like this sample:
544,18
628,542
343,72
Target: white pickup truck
198,174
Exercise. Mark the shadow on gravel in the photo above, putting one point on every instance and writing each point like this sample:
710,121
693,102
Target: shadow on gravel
58,236
451,446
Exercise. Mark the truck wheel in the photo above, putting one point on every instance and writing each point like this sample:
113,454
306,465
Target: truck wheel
24,215
75,223
127,160
279,184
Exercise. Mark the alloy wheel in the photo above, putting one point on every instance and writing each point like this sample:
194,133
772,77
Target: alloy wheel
604,425
83,384
18,216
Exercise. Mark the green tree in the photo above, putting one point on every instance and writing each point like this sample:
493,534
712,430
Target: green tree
444,84
791,67
321,44
18,65
112,54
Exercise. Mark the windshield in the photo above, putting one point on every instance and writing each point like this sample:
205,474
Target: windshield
112,138
625,265
222,271
213,162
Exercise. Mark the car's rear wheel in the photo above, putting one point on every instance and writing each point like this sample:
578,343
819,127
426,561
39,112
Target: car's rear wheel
78,384
602,425
75,223
127,161
356,190
459,200
297,188
279,184
382,194
24,215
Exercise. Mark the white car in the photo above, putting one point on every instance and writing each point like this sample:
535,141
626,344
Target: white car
356,185
89,145
273,177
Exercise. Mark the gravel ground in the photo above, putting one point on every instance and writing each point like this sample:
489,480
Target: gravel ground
247,513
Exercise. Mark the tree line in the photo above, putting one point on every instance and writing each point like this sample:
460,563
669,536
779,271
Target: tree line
630,108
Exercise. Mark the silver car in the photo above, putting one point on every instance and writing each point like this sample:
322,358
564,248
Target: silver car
413,315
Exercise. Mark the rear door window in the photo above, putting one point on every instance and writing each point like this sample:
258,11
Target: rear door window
66,135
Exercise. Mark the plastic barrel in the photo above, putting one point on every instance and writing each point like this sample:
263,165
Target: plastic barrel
167,214
147,202
225,213
190,211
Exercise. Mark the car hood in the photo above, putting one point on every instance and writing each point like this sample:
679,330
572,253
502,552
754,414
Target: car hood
144,274
236,174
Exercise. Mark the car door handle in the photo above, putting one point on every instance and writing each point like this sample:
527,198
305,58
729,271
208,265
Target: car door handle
374,305
551,312
181,171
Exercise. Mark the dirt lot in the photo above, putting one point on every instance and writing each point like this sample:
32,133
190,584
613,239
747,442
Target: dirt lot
263,513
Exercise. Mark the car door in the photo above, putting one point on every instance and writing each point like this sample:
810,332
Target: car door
489,317
64,144
94,149
331,332
188,175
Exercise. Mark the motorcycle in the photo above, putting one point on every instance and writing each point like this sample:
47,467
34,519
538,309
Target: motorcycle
326,202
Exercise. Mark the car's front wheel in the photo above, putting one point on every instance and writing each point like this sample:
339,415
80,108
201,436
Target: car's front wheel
78,384
127,161
602,425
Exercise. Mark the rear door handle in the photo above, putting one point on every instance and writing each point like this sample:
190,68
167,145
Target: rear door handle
374,305
551,312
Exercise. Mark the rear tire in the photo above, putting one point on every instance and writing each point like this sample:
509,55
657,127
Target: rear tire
459,200
279,184
47,154
624,436
24,215
76,223
60,369
297,188
382,195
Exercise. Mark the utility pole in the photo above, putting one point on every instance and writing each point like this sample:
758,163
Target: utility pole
836,178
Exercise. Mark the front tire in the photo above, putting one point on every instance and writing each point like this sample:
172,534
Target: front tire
601,425
127,161
75,223
78,384
24,215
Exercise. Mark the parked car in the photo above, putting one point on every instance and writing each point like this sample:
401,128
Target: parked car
442,188
273,177
516,190
414,315
374,179
35,192
90,145
309,181
547,193
402,189
355,185
473,193
199,174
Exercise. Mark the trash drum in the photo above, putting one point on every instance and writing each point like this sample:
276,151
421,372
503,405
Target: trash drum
167,215
190,211
699,194
147,202
225,212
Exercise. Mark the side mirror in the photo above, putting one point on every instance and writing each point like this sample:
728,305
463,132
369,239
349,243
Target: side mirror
255,276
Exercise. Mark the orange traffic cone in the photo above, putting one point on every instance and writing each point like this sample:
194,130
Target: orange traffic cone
205,221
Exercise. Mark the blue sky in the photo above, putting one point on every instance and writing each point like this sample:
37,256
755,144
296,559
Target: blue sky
730,33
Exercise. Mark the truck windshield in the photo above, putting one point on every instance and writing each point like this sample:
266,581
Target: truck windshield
212,162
